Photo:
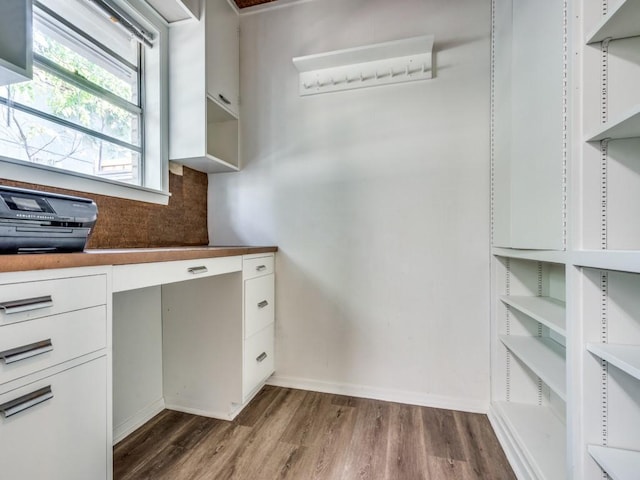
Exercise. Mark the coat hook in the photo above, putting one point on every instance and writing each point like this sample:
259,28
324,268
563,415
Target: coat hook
376,75
361,77
333,82
391,72
346,79
407,71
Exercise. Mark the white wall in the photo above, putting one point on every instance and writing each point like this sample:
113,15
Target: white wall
377,198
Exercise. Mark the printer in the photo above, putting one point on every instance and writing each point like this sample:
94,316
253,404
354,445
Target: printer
32,221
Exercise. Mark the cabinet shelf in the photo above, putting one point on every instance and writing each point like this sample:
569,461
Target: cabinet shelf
626,125
549,311
624,357
550,256
621,22
539,434
618,260
545,357
618,463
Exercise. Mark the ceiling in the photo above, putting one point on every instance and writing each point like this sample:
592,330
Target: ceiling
251,3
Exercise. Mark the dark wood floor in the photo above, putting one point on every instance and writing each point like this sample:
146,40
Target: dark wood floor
299,435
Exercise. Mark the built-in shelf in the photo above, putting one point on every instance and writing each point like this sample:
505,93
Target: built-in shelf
626,125
618,260
618,463
540,435
544,357
550,256
398,61
620,22
624,357
549,311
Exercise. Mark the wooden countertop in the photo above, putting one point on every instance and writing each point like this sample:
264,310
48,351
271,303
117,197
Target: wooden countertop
92,258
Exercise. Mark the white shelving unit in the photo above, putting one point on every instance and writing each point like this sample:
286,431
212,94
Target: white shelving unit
539,434
545,357
585,411
624,357
618,463
549,311
398,61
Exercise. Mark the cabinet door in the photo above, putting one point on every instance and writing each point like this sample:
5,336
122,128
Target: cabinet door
223,54
62,437
15,41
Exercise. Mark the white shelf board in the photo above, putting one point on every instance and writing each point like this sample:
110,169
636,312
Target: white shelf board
545,357
540,435
618,463
624,357
620,22
626,125
398,61
550,256
366,53
618,260
549,311
208,164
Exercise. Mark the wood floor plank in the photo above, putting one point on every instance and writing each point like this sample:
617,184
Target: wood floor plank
366,458
484,454
264,437
442,437
325,456
287,434
406,456
137,449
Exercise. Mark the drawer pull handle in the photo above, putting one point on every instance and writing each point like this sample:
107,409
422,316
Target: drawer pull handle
26,402
26,351
261,268
263,304
27,304
224,99
198,270
260,358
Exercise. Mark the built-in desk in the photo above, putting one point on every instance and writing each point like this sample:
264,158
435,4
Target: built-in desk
93,344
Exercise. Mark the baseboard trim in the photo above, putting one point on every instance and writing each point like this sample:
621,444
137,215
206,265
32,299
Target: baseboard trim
513,453
204,413
134,422
375,393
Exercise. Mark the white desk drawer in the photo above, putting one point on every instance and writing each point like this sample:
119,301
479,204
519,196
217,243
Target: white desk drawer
258,304
63,435
28,347
141,275
258,360
256,267
30,300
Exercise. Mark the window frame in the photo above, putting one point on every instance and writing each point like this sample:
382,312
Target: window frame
154,169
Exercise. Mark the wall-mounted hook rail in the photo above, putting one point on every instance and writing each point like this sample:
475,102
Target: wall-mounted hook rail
371,65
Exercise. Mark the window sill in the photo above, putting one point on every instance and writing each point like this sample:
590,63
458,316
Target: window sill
42,175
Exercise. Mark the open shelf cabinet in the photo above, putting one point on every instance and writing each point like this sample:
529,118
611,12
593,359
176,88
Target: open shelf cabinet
539,435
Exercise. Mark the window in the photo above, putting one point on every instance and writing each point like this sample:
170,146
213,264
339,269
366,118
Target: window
85,111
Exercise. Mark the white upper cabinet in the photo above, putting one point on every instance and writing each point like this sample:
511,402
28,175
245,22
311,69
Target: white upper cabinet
203,90
223,54
15,41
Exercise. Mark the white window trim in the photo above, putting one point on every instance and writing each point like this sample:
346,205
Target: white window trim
156,127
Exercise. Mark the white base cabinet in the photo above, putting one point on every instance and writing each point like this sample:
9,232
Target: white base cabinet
62,433
218,339
55,375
